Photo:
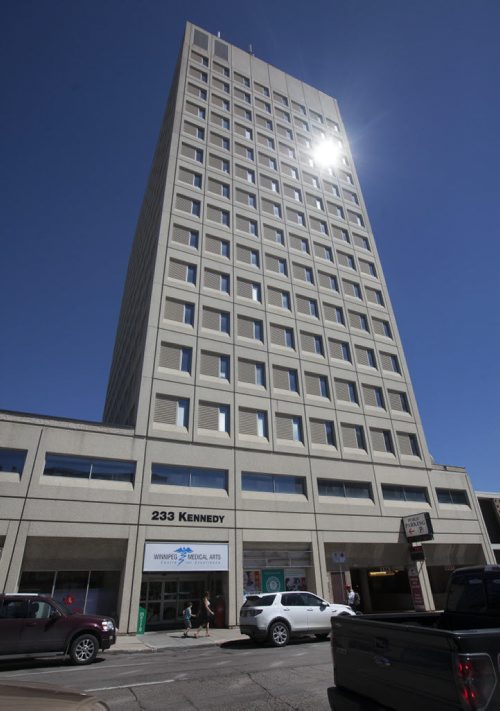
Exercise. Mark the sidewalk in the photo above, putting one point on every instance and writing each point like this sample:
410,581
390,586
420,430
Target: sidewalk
156,641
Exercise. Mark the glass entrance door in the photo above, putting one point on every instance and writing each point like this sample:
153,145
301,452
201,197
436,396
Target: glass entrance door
164,597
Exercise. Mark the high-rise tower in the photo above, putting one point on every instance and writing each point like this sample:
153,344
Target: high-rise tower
260,429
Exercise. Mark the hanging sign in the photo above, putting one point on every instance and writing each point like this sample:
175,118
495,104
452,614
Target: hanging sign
418,527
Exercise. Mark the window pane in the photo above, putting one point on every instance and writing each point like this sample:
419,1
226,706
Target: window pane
12,460
34,582
289,485
109,470
56,465
257,482
209,478
172,476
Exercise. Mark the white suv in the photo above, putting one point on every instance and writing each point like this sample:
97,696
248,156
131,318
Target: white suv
278,616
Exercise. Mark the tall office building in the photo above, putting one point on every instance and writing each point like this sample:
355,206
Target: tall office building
261,429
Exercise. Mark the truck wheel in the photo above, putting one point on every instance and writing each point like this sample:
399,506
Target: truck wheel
84,649
279,634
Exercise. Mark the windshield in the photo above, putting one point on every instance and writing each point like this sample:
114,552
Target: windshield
259,600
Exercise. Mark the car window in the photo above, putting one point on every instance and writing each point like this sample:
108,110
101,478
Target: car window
310,599
259,600
40,610
292,600
14,609
466,594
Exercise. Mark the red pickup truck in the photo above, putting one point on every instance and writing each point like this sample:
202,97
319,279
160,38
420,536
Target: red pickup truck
36,625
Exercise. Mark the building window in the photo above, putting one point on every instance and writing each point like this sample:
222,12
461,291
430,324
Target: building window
394,492
188,314
452,496
186,354
261,424
224,322
198,155
408,444
260,374
273,483
89,468
182,418
256,293
193,477
345,489
224,367
293,381
288,338
297,429
318,345
12,460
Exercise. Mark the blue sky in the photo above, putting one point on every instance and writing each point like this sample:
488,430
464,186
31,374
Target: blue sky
84,85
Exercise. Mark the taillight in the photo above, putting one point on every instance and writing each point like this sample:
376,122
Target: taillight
476,680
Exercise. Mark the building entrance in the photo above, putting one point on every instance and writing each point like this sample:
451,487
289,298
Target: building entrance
164,596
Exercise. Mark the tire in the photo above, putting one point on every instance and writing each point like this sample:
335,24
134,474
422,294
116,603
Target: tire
279,634
84,649
322,635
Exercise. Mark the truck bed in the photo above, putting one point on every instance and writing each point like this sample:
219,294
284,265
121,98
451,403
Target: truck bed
405,662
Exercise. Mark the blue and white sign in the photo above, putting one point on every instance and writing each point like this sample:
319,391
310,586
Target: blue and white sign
179,557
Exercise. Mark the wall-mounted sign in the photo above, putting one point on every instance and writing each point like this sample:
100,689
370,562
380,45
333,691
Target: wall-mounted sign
418,527
186,517
179,557
416,590
273,581
339,557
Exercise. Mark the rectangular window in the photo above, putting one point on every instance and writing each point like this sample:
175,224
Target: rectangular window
89,468
261,424
224,367
260,374
191,273
182,419
194,477
186,354
345,489
452,496
188,315
273,483
288,337
12,460
393,492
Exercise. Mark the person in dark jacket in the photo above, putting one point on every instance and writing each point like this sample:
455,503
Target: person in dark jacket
205,615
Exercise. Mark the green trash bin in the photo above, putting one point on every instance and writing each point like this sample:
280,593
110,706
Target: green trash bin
141,621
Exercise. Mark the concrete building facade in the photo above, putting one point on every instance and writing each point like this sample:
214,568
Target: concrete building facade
260,427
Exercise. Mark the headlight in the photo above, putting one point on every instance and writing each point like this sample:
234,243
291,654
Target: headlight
108,625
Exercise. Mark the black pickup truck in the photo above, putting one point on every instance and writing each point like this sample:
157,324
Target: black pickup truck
431,661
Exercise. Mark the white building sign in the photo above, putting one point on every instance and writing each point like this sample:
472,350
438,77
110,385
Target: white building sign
179,557
418,527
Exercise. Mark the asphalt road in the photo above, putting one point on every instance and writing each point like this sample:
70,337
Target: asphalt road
239,676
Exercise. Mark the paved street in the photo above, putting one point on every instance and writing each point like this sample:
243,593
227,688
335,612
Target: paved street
237,676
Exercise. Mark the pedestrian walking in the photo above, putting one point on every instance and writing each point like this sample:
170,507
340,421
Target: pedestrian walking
186,617
205,615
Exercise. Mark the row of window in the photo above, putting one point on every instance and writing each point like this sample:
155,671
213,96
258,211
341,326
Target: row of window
294,215
244,81
246,197
174,412
247,288
179,358
250,132
253,329
12,460
250,256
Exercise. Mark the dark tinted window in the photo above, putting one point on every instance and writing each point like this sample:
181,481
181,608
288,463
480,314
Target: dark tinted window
466,594
12,460
189,476
493,592
293,600
259,600
14,609
87,468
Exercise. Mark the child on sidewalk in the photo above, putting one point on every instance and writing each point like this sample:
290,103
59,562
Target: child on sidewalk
186,616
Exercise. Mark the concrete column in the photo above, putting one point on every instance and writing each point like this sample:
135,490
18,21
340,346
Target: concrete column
235,577
128,575
136,575
15,541
322,580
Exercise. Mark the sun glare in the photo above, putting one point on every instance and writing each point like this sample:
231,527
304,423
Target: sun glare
326,154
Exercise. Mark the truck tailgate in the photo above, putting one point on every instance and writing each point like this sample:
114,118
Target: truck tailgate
396,665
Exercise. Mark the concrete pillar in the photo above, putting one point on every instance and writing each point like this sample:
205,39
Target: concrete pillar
17,543
136,574
234,599
128,575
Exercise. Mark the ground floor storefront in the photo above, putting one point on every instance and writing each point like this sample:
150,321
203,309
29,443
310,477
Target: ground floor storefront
145,582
